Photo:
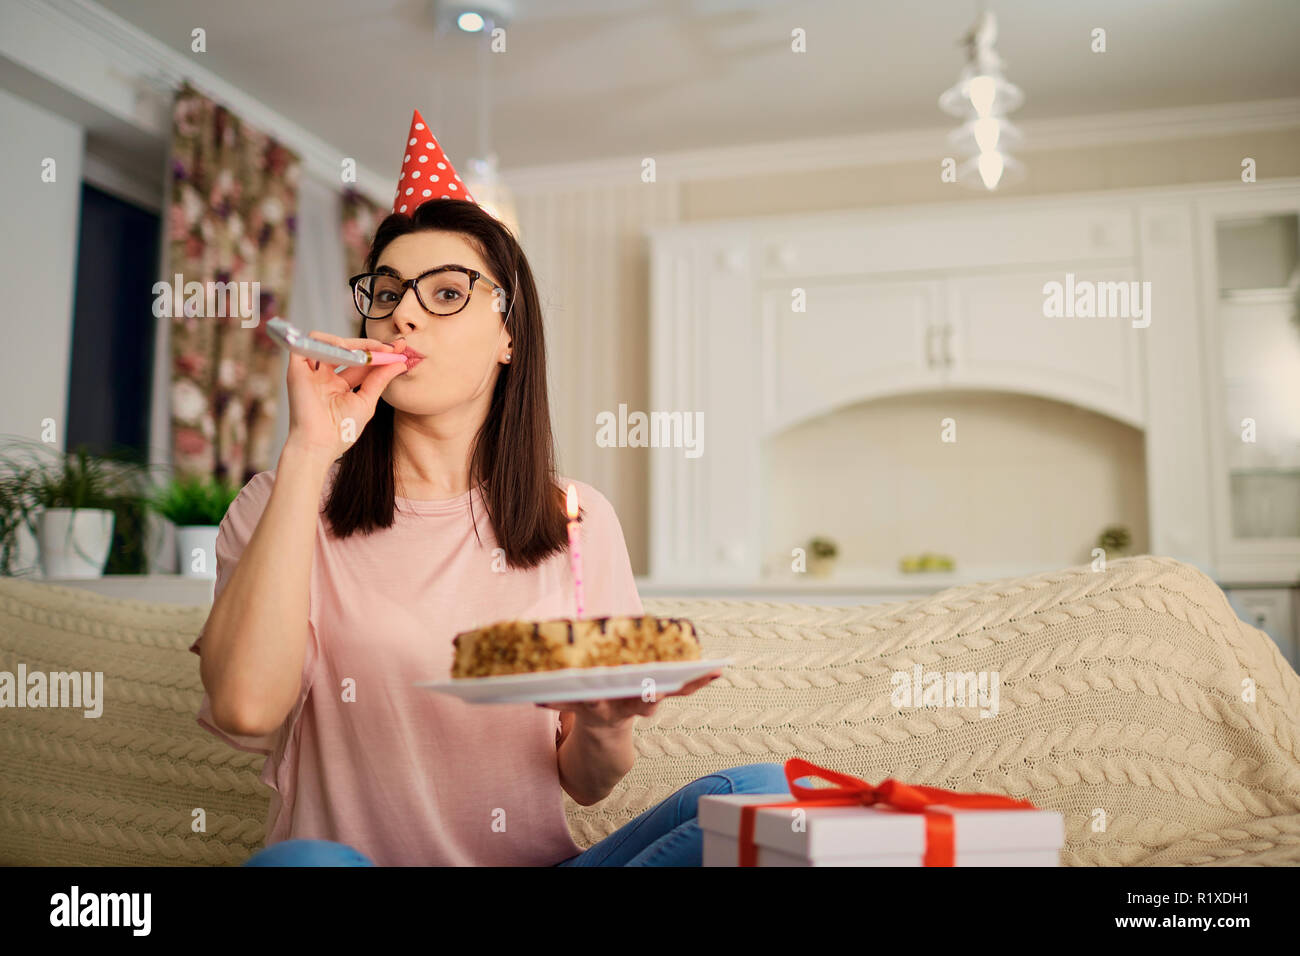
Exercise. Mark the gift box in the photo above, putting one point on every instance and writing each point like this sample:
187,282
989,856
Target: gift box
894,824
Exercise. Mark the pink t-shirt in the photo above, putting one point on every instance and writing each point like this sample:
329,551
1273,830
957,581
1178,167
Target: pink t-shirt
405,775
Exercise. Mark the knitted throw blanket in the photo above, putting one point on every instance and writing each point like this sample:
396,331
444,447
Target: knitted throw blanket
1132,700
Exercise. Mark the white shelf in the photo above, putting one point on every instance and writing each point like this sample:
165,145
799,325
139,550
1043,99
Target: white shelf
153,588
853,585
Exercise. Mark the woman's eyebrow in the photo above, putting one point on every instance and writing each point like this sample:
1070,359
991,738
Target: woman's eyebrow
389,270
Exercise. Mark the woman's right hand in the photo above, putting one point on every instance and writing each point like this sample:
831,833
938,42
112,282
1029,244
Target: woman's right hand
325,415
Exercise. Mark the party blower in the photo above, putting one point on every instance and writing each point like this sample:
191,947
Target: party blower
300,343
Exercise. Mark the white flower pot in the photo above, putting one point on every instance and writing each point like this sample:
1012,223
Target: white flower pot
196,550
820,567
74,542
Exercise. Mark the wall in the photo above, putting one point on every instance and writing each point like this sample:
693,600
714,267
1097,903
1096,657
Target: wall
588,255
1078,169
38,252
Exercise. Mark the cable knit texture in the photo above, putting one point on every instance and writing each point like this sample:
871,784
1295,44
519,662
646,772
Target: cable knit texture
1132,699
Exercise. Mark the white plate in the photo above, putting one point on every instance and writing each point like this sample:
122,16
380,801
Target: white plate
575,683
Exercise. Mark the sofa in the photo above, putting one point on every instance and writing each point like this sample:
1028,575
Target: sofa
1131,699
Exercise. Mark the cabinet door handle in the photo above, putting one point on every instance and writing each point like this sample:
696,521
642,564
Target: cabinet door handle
947,345
929,345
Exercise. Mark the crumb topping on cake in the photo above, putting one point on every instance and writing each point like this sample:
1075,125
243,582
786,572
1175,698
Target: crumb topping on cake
513,647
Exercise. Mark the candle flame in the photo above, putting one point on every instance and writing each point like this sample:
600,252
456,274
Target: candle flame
572,502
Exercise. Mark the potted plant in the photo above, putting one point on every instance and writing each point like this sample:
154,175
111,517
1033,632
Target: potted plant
74,500
196,506
41,486
1114,540
821,556
15,501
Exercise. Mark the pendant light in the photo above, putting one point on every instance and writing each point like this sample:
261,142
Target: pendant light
481,176
982,98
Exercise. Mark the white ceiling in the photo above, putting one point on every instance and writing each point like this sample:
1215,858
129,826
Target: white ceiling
587,79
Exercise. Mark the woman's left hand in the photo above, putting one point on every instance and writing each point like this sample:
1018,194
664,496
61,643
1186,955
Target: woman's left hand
616,711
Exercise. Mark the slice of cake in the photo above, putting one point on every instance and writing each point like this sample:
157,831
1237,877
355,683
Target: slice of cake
517,647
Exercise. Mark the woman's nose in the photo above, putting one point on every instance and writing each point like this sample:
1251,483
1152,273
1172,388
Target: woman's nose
408,310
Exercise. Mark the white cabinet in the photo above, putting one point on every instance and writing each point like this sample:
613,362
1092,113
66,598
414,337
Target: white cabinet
866,339
1272,610
1252,386
762,324
998,337
871,338
986,235
705,363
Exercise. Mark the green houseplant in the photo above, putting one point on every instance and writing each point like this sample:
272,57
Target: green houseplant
821,556
81,508
196,506
68,500
1114,539
15,501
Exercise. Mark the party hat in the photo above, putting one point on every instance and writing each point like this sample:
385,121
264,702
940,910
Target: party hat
427,173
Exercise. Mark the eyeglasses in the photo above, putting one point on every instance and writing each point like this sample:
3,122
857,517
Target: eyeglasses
442,291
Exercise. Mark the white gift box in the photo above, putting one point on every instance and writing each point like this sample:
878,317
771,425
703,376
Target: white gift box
874,835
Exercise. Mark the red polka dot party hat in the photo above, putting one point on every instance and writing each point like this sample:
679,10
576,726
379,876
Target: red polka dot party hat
427,173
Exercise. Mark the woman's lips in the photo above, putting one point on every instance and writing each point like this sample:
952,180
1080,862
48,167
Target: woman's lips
413,356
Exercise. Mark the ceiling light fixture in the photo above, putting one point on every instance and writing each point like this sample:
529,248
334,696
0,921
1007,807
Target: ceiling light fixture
982,97
470,22
478,19
471,16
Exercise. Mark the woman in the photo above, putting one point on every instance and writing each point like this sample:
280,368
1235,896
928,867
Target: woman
411,502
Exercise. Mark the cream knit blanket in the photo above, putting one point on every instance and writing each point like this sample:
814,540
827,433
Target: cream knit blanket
1123,703
1132,700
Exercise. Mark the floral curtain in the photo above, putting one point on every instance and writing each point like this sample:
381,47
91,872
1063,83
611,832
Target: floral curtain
361,217
231,229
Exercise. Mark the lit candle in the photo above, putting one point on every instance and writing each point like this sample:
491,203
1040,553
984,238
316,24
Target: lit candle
575,547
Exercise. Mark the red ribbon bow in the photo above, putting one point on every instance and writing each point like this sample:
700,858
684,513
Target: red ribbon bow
854,791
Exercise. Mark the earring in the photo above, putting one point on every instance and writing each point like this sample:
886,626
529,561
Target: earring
507,356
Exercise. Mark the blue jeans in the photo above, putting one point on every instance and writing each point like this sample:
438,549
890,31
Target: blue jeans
665,835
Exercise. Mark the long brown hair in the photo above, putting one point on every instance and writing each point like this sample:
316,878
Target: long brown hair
512,461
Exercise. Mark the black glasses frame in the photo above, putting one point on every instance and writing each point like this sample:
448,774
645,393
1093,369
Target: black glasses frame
474,276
